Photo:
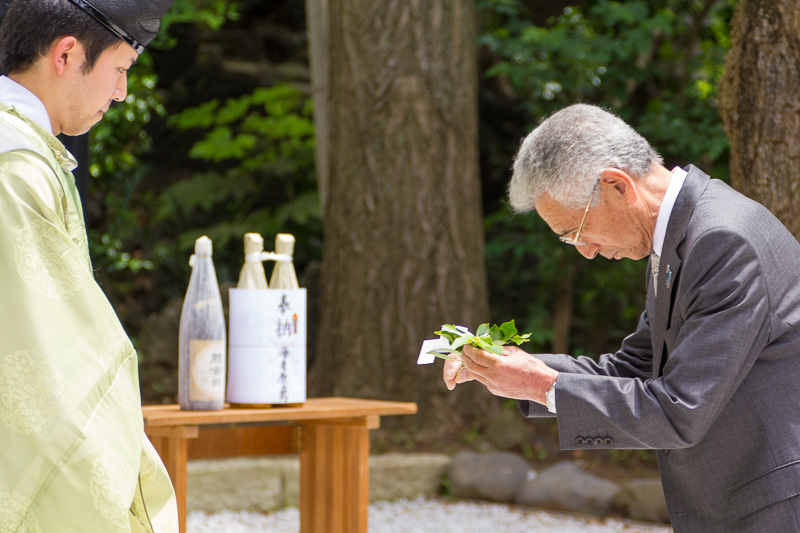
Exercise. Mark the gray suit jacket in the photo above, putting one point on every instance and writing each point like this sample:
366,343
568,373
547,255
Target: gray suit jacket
711,376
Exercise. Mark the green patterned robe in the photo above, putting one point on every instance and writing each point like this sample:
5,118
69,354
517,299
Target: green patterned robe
73,454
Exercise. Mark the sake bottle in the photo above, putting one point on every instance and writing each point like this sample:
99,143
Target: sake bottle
283,274
252,275
201,367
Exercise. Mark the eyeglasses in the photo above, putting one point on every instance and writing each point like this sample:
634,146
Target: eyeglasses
575,239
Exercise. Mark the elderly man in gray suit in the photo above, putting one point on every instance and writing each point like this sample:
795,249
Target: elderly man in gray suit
711,376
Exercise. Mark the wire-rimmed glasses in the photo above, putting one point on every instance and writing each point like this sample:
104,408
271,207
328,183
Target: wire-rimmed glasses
575,239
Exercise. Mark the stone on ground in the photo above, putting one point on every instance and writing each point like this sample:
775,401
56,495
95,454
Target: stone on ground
643,499
568,487
493,476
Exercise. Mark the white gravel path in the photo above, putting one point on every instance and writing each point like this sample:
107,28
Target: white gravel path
426,516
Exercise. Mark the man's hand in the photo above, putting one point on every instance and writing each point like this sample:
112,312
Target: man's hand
455,372
515,374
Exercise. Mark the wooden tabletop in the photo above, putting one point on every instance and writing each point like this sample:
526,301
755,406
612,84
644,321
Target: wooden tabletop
312,409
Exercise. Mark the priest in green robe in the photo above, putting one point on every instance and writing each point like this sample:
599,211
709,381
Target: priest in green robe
73,454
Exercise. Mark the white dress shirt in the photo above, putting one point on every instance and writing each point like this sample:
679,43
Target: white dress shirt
675,185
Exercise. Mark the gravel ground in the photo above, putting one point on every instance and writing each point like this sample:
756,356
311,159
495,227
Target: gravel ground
427,516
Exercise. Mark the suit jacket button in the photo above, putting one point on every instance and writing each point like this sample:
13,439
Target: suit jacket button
663,452
598,441
608,441
579,441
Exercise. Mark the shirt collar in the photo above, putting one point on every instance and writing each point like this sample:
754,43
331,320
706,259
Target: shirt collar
25,102
675,185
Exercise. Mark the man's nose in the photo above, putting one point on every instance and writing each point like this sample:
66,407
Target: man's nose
589,251
121,90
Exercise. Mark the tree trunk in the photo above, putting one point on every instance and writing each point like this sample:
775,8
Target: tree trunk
404,248
760,105
318,59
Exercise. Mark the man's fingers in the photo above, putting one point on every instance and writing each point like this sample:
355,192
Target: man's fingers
464,374
477,359
472,364
451,373
450,369
455,372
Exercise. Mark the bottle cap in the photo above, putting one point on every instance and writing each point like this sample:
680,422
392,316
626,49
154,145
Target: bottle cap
253,243
284,243
202,246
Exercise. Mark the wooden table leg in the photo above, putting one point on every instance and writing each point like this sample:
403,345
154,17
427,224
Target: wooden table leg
334,475
172,444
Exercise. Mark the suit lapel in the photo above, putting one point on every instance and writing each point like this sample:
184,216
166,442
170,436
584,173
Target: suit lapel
670,264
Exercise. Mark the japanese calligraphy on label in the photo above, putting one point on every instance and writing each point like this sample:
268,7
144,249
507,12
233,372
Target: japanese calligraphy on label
208,369
267,352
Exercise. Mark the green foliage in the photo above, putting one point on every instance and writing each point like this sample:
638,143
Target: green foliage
119,143
445,487
117,146
657,64
253,172
259,150
488,338
211,14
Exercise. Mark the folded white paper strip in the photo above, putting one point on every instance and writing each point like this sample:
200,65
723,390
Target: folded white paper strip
426,358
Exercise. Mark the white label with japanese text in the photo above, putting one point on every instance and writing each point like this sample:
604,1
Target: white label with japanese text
267,352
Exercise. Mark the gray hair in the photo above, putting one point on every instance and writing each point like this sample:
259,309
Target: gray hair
565,156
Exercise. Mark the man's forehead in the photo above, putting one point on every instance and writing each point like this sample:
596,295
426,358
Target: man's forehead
122,52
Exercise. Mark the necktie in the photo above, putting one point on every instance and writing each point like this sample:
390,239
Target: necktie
654,260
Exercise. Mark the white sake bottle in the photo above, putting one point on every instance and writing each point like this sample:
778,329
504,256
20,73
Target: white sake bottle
202,347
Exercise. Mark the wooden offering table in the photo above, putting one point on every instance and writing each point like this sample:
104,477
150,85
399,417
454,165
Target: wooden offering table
331,436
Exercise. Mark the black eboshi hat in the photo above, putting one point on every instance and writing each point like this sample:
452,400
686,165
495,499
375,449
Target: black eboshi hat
134,21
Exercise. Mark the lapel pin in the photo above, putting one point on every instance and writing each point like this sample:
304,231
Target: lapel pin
669,274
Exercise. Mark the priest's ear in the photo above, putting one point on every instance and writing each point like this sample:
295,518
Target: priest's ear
66,53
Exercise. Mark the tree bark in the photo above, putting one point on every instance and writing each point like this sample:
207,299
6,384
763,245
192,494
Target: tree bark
318,59
404,246
760,105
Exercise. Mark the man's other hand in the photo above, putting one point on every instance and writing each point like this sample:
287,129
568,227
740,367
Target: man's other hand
515,374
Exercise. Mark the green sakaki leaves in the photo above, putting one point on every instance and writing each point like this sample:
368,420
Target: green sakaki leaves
492,339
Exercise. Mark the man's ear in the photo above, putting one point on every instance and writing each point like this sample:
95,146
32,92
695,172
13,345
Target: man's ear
621,183
66,53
